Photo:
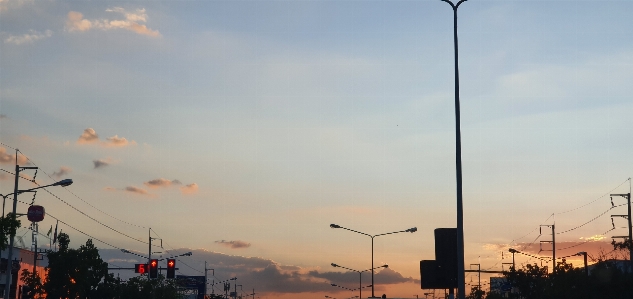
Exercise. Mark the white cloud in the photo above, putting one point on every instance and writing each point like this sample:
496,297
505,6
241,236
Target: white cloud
26,38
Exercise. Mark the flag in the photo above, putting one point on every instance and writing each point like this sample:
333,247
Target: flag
50,230
55,234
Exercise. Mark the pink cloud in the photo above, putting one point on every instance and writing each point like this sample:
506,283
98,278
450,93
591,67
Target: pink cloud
90,136
62,171
6,158
189,189
117,141
75,21
136,190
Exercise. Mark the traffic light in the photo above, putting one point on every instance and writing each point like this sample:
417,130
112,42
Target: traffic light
153,268
140,268
171,268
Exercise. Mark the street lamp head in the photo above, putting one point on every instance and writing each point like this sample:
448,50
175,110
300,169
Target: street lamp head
385,266
512,250
125,251
334,285
334,265
64,183
335,226
412,230
188,253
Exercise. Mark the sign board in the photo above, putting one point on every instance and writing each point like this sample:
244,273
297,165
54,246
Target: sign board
35,213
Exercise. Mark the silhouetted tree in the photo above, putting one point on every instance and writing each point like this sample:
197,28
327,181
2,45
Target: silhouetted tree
8,226
74,273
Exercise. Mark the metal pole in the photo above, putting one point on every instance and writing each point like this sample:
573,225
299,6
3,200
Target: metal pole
7,281
35,230
360,284
461,279
554,247
630,241
372,268
586,269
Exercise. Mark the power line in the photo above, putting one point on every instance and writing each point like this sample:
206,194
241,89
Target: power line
606,194
128,223
83,213
592,220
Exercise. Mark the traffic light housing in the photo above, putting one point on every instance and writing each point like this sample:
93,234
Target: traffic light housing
140,268
171,268
153,268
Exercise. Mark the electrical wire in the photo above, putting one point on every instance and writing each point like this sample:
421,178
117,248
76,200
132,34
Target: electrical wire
88,216
592,220
606,194
140,226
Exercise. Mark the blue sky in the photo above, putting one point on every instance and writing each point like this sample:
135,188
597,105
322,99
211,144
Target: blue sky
265,121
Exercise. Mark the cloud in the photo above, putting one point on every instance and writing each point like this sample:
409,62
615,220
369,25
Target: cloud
189,189
76,22
88,136
234,244
26,38
98,163
161,183
62,171
136,190
117,141
268,275
10,159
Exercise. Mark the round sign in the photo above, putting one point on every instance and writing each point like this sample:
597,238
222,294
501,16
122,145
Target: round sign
36,213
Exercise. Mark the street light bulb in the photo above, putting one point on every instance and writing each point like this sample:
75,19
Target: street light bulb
64,183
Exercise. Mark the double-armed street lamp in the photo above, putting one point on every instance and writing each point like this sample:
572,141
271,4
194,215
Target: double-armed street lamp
62,183
410,230
360,276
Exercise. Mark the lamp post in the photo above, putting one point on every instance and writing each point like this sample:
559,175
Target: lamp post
410,230
360,276
461,279
513,251
63,183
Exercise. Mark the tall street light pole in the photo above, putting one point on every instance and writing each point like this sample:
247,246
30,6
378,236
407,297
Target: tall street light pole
461,279
410,230
63,183
360,276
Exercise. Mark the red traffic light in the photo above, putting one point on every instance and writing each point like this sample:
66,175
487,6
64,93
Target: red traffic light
171,268
153,268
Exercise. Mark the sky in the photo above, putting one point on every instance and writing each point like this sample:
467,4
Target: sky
240,130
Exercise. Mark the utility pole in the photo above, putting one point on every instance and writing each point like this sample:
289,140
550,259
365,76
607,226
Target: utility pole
629,241
553,241
205,279
478,274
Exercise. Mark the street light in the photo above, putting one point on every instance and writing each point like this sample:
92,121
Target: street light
410,230
360,276
63,183
461,279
